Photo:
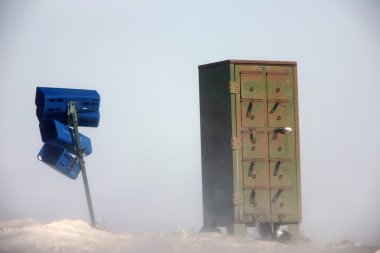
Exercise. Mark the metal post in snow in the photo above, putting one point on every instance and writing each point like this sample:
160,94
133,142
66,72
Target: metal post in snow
74,121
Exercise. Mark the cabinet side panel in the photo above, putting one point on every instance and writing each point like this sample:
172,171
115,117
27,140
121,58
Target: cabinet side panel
298,157
215,113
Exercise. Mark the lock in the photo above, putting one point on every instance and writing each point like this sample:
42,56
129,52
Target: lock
251,136
274,108
276,196
276,168
281,130
252,198
251,167
249,110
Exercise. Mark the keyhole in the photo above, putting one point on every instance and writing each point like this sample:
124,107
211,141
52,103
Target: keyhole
251,89
252,117
278,90
278,117
253,148
279,149
254,176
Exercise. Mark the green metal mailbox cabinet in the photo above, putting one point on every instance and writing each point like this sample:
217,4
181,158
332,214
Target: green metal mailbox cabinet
250,146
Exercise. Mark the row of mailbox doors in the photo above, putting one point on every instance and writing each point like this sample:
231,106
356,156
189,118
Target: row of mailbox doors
257,84
272,142
269,186
276,201
272,113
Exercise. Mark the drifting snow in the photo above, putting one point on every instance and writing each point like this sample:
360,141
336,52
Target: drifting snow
73,236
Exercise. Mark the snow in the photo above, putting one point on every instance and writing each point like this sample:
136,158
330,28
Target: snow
71,236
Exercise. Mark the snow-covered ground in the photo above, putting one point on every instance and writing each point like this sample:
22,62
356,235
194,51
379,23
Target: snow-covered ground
77,236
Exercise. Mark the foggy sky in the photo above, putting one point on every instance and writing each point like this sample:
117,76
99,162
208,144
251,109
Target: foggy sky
142,57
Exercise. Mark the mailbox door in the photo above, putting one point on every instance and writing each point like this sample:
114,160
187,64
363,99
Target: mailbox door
252,82
256,201
253,114
280,114
280,83
255,173
255,144
282,173
283,201
281,145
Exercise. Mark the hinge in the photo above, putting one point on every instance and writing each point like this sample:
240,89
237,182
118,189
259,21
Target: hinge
234,87
235,143
238,200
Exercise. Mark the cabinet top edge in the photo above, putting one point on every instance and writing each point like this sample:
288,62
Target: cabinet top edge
255,62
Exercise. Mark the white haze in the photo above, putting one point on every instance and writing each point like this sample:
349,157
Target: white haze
74,236
142,57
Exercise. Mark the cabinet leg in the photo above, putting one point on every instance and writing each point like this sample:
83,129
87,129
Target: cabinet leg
237,229
294,231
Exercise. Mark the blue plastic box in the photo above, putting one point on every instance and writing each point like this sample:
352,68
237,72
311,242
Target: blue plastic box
59,159
58,133
85,119
57,99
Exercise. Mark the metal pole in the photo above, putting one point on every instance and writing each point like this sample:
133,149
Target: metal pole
88,196
74,118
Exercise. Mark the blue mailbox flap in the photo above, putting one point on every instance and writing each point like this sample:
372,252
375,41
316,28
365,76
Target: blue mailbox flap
59,158
54,131
85,119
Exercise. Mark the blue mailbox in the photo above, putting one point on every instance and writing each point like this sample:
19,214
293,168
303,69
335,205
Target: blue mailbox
59,159
55,132
60,112
85,119
56,99
52,103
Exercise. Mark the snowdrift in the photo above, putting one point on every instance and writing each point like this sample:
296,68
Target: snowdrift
77,236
